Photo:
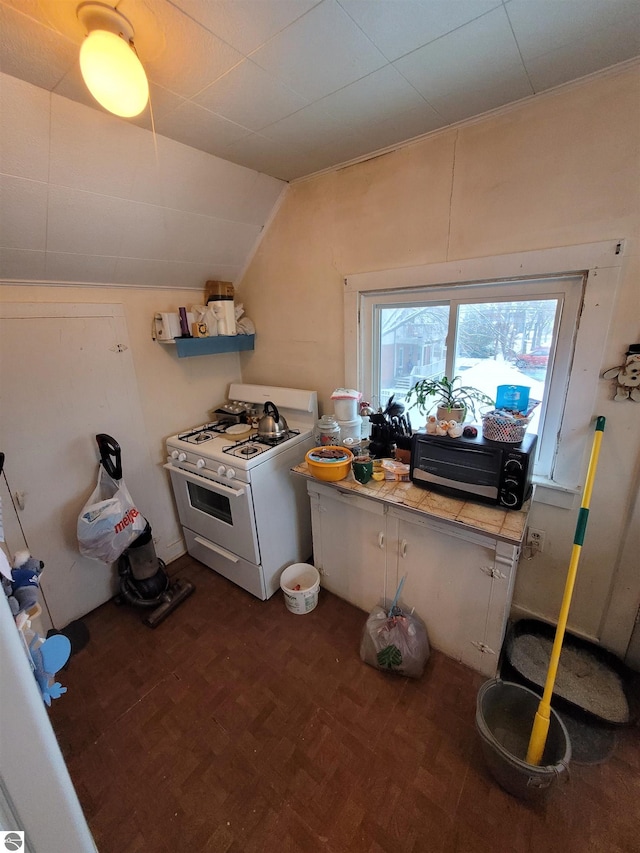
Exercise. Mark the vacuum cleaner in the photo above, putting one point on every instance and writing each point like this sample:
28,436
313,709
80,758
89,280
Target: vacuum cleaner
143,579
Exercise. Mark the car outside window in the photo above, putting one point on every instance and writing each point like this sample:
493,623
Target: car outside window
575,285
490,335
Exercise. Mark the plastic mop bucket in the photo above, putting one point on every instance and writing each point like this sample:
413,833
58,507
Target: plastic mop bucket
504,717
300,584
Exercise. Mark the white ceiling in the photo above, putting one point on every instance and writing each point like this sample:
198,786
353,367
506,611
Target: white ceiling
292,87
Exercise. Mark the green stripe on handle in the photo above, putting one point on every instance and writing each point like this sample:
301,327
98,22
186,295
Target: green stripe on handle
600,424
581,526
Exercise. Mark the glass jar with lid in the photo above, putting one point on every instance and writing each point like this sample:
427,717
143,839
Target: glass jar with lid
327,431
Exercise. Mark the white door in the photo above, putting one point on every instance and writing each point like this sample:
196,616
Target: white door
36,792
449,583
66,374
349,547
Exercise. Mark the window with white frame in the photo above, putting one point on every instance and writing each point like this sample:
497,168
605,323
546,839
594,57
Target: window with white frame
532,328
508,333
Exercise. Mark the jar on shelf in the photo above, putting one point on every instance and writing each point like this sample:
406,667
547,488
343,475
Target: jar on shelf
327,431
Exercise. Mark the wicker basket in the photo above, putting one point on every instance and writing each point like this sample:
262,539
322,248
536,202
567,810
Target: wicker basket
504,428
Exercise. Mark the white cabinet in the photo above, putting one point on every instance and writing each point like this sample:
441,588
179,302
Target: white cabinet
460,583
349,547
458,579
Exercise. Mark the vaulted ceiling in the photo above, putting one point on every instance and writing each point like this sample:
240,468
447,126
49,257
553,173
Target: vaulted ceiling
292,87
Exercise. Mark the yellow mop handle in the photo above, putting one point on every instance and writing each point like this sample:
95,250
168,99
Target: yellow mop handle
540,729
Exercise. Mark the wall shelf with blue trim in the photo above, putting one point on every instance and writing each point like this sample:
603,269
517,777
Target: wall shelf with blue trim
189,347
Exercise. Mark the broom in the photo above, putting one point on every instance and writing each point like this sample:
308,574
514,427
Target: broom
540,729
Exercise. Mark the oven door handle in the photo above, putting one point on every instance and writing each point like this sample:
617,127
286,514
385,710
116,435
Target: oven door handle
214,485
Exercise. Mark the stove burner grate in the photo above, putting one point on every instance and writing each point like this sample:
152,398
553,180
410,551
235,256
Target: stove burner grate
274,441
255,445
206,432
249,450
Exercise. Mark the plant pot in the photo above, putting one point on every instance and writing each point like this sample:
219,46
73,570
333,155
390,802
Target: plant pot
444,413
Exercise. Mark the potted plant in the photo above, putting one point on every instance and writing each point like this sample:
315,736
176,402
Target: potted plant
449,397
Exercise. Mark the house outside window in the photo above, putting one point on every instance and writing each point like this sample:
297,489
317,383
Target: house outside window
529,319
490,335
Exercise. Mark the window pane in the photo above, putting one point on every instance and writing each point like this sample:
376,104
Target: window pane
413,345
506,343
496,343
492,328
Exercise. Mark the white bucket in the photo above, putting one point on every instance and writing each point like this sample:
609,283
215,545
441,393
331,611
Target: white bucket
345,409
351,430
307,578
345,403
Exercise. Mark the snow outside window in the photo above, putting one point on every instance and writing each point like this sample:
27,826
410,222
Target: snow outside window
458,320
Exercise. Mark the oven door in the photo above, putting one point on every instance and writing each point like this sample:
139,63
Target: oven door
219,512
459,466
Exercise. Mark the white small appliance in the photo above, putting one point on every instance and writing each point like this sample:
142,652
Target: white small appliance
167,325
243,513
345,404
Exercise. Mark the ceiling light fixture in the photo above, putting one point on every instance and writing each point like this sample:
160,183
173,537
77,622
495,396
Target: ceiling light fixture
109,64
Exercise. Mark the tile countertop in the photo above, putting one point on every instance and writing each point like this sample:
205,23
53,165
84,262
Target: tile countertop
506,524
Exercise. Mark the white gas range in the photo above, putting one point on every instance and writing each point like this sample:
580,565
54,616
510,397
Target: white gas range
243,514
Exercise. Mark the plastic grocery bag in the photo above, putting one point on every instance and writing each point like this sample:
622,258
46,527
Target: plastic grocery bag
395,642
109,521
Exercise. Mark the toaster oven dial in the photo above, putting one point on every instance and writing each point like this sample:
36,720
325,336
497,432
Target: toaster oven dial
513,466
508,499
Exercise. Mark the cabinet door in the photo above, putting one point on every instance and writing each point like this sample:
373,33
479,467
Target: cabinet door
349,545
449,582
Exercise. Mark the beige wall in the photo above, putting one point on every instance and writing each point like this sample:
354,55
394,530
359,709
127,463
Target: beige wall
175,393
88,198
559,170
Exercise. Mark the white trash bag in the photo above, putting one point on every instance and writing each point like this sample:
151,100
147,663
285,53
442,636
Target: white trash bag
395,641
109,521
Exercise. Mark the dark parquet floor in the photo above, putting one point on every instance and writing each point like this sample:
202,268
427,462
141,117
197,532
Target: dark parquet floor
238,727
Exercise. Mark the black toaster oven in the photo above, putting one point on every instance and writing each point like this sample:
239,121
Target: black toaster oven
491,471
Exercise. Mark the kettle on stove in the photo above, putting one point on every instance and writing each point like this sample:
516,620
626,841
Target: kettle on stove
271,424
